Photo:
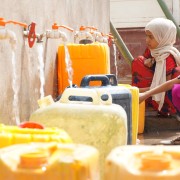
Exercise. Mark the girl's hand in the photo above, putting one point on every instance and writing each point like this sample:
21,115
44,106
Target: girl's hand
149,62
142,97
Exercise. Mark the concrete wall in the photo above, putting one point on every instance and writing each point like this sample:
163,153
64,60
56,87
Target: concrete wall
137,13
44,13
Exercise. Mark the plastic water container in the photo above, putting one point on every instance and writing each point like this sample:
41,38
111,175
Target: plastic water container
49,161
141,123
98,123
120,95
15,135
138,110
135,104
143,163
85,59
135,110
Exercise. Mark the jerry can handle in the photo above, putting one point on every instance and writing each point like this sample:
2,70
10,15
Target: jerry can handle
94,94
100,77
112,79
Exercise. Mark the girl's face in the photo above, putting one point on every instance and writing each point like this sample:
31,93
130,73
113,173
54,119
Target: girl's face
150,40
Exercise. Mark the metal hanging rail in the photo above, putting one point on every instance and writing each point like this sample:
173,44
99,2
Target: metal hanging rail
169,15
121,45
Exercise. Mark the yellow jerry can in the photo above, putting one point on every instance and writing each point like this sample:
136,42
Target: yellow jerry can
142,162
141,123
15,135
135,110
49,161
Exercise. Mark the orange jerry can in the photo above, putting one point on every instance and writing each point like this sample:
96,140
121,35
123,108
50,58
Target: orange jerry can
49,161
85,59
143,163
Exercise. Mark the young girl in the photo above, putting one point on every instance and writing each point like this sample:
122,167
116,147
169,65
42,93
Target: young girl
160,63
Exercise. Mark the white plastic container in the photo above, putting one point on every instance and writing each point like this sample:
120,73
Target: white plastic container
97,123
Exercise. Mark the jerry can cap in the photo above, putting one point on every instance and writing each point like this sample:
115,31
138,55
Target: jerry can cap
155,162
34,159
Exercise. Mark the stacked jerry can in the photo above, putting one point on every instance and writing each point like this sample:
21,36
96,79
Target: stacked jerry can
143,162
49,161
98,123
138,110
120,95
85,59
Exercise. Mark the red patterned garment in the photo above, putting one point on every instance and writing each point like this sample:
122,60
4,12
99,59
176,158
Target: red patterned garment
142,77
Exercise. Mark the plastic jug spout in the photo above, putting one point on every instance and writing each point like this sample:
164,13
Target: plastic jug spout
8,34
103,38
55,33
110,39
92,28
56,26
3,22
84,35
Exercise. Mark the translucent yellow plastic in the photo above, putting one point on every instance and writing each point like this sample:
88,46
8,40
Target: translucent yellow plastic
86,59
49,161
143,163
98,123
135,110
14,135
141,123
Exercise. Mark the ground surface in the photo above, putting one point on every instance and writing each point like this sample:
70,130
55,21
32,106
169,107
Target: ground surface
158,129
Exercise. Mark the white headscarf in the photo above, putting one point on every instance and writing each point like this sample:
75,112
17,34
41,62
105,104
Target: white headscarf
164,31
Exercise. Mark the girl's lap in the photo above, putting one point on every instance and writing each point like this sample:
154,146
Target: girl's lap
142,77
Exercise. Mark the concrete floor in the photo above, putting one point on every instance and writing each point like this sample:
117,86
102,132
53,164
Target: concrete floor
158,137
159,130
